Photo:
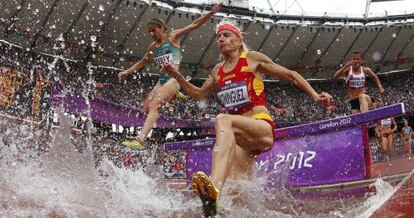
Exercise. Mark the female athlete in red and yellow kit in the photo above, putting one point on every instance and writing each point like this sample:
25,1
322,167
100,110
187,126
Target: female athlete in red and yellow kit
247,128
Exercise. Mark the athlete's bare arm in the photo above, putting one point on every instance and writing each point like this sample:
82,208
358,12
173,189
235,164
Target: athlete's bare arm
342,71
176,35
208,87
395,124
372,75
139,65
378,129
258,62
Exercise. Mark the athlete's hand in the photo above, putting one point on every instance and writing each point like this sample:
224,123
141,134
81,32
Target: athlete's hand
169,68
348,64
216,7
123,74
381,91
324,98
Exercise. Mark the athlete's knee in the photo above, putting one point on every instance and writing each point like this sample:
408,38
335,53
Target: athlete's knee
153,105
362,99
146,106
368,98
223,119
268,142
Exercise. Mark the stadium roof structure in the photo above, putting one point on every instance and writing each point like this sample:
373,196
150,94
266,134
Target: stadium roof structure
113,32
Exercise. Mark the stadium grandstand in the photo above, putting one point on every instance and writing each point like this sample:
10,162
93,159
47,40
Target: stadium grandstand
78,47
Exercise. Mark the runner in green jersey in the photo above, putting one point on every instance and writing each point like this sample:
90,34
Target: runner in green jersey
164,49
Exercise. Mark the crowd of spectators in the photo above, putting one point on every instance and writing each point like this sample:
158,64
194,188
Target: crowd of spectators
286,102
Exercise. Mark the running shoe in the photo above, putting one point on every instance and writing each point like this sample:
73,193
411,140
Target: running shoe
180,96
209,195
133,144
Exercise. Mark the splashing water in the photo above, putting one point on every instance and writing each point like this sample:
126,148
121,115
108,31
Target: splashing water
65,183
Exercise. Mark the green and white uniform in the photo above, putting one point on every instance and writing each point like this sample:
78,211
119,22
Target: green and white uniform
166,53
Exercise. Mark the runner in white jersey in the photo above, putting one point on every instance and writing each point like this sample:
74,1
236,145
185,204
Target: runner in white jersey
355,75
406,135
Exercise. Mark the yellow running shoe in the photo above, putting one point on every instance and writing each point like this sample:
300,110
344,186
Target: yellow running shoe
180,96
133,144
209,195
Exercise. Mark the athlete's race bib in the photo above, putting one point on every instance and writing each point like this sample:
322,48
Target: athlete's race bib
164,57
406,130
386,122
234,95
357,82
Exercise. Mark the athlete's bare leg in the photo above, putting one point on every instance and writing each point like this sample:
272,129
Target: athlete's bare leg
408,145
385,148
158,97
390,145
237,137
364,103
369,101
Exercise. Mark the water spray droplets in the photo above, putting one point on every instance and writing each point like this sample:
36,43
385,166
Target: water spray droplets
101,8
93,40
61,38
376,56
